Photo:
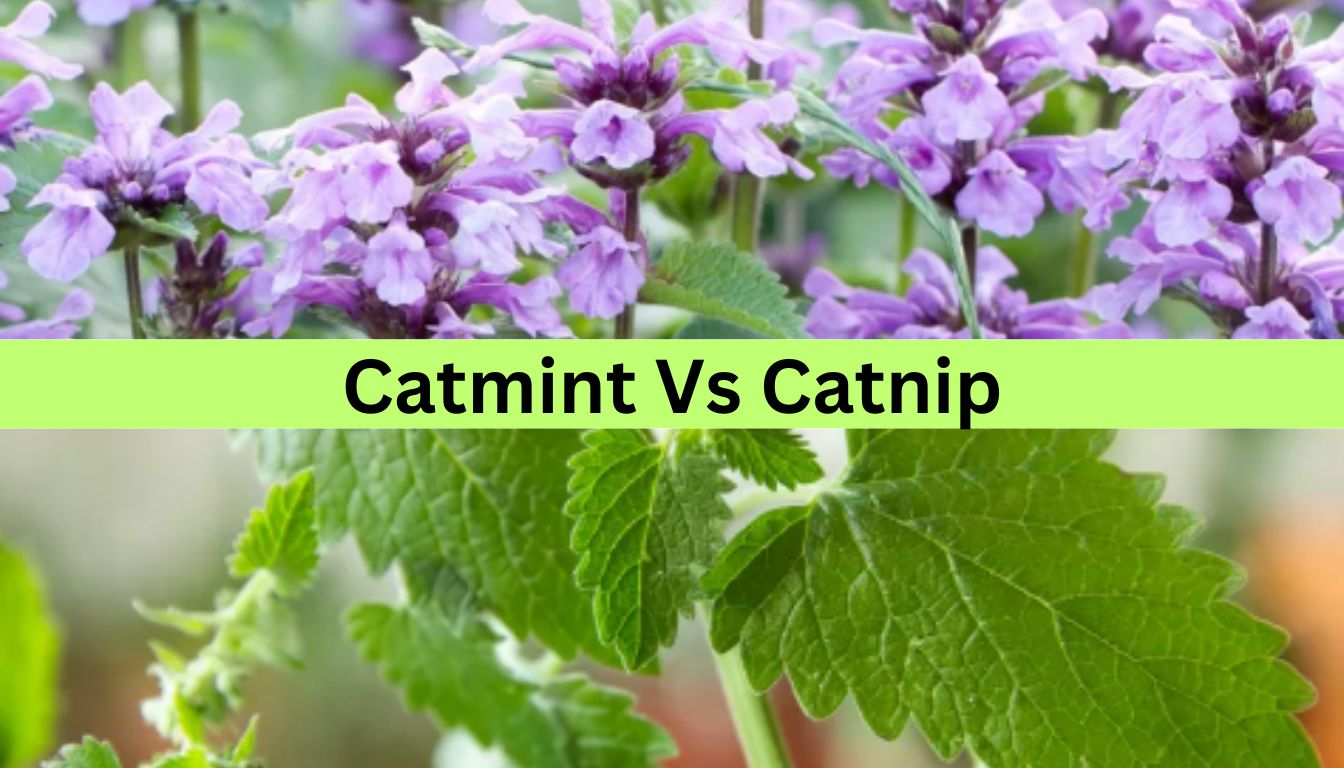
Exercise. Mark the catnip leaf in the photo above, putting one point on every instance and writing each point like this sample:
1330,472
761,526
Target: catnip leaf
29,651
1019,597
454,667
770,457
716,280
648,523
90,753
281,538
468,515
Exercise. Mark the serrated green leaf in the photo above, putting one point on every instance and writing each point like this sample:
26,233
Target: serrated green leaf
281,537
716,280
648,522
467,514
1019,597
453,667
29,651
90,753
770,457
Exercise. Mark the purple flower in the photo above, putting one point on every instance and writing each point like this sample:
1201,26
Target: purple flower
999,198
931,309
612,133
105,13
63,323
953,100
136,167
32,22
1296,199
625,123
1276,320
413,226
604,274
203,294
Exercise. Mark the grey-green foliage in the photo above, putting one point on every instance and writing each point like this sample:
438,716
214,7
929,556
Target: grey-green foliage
29,652
716,280
460,670
648,522
1019,597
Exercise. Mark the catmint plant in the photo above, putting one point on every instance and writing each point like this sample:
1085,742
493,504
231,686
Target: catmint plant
1234,143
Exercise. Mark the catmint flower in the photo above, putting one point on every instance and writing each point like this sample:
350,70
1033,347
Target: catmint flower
626,120
63,323
931,308
134,168
1130,24
966,84
1221,275
30,94
406,224
197,299
106,13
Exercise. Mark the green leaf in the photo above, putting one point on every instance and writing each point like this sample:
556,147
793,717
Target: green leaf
455,668
281,538
770,457
648,523
1019,597
173,223
29,652
717,280
90,753
695,193
468,515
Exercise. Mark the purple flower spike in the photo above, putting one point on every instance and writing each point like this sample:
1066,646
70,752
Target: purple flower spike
136,166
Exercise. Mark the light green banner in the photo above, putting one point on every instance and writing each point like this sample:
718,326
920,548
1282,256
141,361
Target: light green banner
991,384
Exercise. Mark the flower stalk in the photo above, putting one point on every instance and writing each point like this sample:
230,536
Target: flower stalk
748,189
625,322
189,53
753,715
134,299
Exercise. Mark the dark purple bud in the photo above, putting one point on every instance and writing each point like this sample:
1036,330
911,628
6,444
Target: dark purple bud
132,192
186,256
664,79
213,261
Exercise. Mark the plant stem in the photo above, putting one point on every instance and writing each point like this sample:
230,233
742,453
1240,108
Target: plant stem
905,242
749,191
659,10
625,322
970,245
133,298
1083,261
1269,241
189,52
753,716
1269,262
128,51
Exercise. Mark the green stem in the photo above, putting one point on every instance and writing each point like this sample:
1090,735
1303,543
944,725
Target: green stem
625,322
748,190
128,51
659,10
905,242
970,246
189,51
1082,271
133,298
754,718
1269,242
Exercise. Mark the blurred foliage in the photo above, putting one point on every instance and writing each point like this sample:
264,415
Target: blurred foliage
30,649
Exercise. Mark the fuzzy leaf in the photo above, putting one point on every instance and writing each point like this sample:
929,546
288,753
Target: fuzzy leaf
281,538
716,280
770,457
29,652
469,515
1021,598
648,520
454,668
173,223
90,753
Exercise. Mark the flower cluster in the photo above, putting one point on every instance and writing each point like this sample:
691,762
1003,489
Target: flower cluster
931,308
136,170
405,224
966,83
1236,142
